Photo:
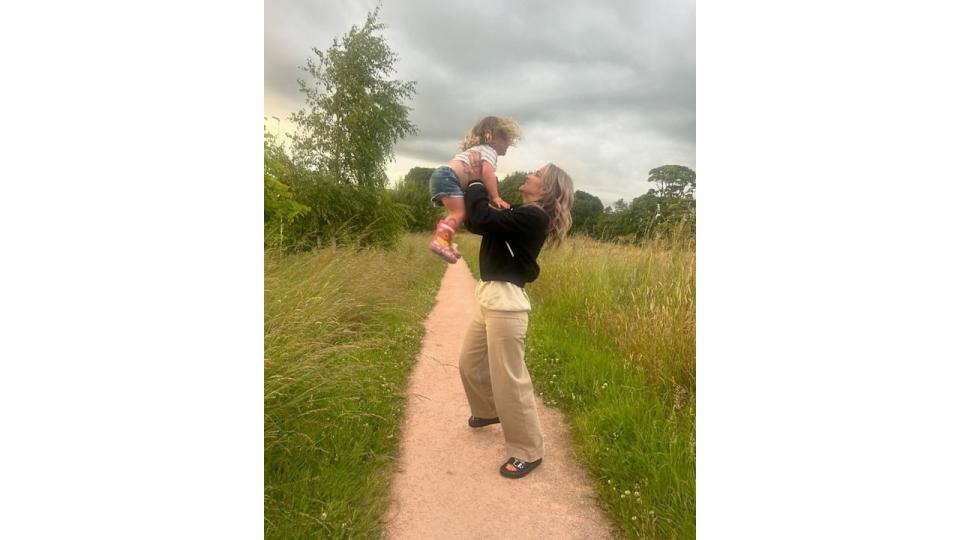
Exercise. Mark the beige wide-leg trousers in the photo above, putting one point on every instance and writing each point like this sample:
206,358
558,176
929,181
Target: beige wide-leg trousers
496,380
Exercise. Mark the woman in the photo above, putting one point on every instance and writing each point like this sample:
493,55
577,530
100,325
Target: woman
492,368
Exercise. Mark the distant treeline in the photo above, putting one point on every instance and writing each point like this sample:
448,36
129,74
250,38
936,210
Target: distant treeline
304,208
670,208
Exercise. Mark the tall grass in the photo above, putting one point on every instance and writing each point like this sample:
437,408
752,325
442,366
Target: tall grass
612,342
341,329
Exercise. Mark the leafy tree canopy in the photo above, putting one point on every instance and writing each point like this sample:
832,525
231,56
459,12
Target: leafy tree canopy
354,113
674,181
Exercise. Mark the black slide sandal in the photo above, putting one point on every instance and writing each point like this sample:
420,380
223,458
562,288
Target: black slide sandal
523,467
475,422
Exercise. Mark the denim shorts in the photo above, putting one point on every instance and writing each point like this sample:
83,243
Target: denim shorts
444,183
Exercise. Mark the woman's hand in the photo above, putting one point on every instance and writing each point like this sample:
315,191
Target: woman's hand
476,166
476,173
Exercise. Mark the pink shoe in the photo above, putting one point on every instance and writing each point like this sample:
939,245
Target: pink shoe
441,242
445,253
452,223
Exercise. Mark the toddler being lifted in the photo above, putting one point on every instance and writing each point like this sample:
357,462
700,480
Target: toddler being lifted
488,139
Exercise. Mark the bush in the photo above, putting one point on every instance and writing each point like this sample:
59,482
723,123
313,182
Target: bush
413,193
303,209
345,214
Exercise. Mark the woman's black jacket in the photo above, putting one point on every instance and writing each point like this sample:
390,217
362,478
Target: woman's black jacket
512,238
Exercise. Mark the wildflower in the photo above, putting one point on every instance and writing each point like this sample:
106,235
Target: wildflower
323,515
633,518
622,496
609,481
627,492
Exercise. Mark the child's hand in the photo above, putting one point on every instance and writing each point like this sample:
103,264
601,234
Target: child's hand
501,203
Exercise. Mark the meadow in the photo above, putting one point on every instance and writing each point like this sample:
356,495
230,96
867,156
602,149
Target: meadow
611,342
342,327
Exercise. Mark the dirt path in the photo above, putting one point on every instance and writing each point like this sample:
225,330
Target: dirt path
448,485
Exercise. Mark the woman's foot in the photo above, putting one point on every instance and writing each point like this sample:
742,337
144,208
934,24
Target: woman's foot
475,422
517,468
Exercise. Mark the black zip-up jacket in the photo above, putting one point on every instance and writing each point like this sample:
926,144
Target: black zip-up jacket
512,238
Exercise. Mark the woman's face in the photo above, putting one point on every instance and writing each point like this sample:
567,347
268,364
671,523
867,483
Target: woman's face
533,190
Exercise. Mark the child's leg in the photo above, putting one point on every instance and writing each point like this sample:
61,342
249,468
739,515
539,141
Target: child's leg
442,243
455,209
457,212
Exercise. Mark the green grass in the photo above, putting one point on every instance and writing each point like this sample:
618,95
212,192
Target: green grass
612,343
341,330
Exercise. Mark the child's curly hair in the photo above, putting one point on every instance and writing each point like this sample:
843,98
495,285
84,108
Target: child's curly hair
489,128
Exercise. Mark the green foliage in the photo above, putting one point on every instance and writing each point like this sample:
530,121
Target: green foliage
279,205
338,347
304,208
354,112
666,212
413,193
344,213
331,187
510,187
585,212
679,218
631,222
674,181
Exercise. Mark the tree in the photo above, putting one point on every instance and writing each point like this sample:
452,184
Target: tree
354,113
414,193
279,205
674,181
509,187
586,211
643,214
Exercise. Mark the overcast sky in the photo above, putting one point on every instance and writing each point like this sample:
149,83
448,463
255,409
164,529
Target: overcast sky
604,89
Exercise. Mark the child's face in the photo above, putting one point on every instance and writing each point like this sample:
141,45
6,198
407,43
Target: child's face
500,145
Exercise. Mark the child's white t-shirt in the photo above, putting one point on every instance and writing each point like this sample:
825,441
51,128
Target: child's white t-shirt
487,153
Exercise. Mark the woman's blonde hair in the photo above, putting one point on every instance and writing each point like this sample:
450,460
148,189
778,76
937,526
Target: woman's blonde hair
557,202
490,128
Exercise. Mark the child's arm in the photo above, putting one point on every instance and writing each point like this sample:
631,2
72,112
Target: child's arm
490,182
